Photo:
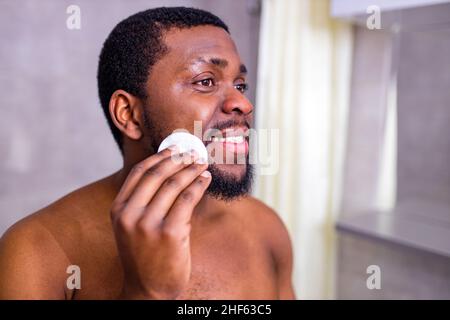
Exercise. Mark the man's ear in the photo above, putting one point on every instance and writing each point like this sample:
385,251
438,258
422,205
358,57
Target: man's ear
125,111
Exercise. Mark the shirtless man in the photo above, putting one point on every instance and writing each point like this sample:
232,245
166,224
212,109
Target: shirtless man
158,228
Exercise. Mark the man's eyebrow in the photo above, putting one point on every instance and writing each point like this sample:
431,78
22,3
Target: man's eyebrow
243,69
221,63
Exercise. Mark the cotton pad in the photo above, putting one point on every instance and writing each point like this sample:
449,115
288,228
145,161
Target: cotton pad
185,142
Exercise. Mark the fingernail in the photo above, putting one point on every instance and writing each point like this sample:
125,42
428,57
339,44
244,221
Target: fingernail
173,147
206,174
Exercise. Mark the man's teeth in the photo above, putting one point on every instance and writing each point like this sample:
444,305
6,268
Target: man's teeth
235,139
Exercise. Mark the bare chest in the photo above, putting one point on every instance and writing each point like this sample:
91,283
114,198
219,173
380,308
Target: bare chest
231,269
224,266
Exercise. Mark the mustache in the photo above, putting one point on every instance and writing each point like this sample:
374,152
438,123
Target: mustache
230,123
221,125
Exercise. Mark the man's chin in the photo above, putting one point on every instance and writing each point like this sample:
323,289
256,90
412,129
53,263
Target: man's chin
230,181
237,171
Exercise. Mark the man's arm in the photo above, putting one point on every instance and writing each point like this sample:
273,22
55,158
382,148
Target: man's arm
30,263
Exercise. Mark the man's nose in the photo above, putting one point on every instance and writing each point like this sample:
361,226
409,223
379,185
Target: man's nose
235,101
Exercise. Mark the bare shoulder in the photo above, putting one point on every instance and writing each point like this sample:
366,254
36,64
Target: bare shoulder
270,227
36,251
268,220
30,262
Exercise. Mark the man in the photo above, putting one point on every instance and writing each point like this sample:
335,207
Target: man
159,228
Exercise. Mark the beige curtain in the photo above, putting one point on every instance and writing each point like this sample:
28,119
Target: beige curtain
303,83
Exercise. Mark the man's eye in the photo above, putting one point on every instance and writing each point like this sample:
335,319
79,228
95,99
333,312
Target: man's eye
242,87
206,82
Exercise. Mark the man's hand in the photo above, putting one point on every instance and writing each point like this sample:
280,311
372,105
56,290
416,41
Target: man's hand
151,221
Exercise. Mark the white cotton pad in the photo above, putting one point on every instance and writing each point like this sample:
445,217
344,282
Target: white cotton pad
185,142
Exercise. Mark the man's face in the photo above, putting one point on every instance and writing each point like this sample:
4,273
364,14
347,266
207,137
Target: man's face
202,78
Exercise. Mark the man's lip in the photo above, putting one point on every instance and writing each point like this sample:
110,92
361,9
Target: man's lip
229,132
235,131
240,147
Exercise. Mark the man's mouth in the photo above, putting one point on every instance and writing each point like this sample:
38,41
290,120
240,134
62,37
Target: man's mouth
230,140
234,139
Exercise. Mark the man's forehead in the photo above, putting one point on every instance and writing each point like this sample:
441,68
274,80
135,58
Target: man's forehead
199,36
202,45
221,62
197,41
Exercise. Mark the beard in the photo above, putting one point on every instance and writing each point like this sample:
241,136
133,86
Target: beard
226,186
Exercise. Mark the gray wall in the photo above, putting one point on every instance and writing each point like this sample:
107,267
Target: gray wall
406,273
53,135
410,243
424,109
367,113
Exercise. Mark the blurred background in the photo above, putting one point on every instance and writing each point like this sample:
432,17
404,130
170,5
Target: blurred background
358,89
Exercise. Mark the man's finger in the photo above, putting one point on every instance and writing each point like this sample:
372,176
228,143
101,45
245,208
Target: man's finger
138,171
181,211
168,193
154,177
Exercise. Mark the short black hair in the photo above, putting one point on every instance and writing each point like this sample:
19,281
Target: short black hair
135,45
